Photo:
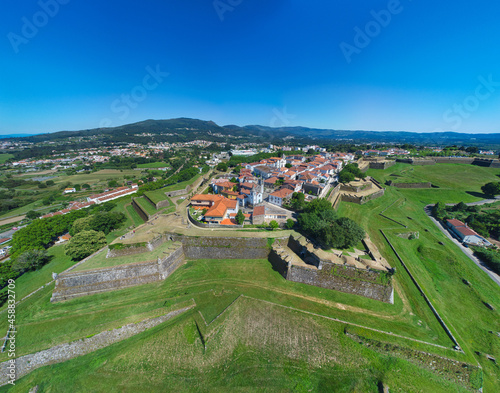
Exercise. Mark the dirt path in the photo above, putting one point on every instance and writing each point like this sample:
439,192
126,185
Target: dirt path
11,220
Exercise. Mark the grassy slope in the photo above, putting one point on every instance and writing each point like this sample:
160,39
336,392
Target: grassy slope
181,185
440,269
146,206
259,347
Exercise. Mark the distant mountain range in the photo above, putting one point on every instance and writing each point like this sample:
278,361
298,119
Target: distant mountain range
182,129
15,136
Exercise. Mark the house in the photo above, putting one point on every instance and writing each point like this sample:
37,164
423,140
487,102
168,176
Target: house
222,185
219,208
278,197
263,171
466,234
63,238
69,190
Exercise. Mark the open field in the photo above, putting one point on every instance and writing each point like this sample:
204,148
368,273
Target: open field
152,165
5,156
101,176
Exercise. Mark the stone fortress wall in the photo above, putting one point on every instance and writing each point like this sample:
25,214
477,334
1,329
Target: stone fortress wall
295,258
298,260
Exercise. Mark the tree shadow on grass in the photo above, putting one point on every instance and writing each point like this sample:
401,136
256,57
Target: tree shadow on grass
479,195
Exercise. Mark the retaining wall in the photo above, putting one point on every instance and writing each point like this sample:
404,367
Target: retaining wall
343,279
139,210
349,279
411,185
381,165
223,247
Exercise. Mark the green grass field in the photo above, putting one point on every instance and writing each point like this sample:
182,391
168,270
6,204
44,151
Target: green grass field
263,333
153,165
439,269
157,195
5,156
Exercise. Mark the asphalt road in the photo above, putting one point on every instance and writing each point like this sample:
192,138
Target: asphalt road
467,251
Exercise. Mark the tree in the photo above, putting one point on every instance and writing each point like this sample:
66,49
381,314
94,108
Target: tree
287,165
86,186
274,224
49,182
84,244
298,201
346,177
32,215
222,166
240,217
112,183
30,260
290,223
492,188
82,224
77,187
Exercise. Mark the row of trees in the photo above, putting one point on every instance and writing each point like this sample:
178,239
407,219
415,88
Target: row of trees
29,244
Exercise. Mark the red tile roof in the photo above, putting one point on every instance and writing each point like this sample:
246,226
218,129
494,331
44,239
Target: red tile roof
455,223
282,193
259,210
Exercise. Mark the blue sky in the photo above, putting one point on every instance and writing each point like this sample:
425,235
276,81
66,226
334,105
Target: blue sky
412,65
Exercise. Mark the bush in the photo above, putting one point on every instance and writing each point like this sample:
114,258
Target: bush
84,244
30,260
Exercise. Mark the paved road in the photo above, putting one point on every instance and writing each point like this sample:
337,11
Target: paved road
467,251
478,203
